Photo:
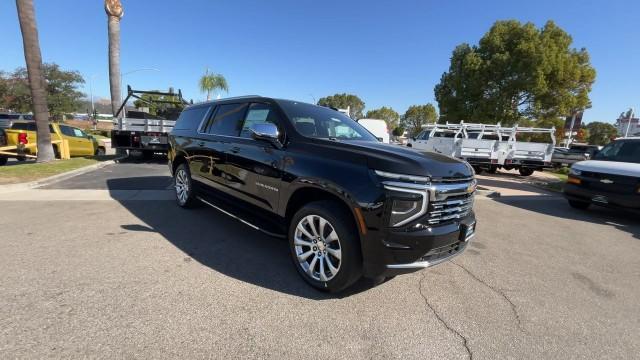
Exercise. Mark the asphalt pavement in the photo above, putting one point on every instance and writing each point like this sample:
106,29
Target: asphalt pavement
144,278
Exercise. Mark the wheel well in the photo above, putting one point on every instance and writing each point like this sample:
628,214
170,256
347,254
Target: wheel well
306,195
179,159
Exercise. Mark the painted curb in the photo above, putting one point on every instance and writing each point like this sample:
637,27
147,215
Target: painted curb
58,177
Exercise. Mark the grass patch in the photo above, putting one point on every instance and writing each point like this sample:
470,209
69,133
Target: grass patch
558,186
21,172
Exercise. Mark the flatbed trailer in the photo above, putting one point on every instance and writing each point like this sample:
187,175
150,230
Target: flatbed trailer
142,131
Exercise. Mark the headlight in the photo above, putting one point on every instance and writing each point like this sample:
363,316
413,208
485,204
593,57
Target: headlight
405,208
408,195
575,172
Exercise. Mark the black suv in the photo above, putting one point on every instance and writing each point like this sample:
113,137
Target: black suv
349,205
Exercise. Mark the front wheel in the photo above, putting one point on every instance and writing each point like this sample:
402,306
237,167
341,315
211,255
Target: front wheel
100,151
578,204
185,195
325,246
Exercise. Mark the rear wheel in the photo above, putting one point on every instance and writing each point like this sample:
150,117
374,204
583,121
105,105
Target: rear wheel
477,169
578,204
3,161
526,171
100,151
185,194
492,169
325,247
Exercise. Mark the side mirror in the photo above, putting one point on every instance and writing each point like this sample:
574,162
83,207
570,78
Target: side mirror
266,132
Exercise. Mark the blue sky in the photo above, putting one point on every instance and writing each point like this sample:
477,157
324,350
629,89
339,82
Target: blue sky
390,53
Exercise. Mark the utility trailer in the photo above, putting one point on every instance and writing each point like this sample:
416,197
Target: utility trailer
529,156
140,129
485,146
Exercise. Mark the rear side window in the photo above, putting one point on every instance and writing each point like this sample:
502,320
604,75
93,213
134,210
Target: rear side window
191,118
65,130
24,126
228,120
258,114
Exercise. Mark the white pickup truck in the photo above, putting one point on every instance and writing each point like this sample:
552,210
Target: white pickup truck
439,138
529,156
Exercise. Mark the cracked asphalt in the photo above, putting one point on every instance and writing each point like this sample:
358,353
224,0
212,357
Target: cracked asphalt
113,278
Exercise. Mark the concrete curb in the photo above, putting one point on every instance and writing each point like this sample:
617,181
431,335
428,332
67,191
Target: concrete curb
55,178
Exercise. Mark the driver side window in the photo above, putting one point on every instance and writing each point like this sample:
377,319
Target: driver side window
258,113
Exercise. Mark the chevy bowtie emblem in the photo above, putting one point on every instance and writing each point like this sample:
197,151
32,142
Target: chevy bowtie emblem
606,181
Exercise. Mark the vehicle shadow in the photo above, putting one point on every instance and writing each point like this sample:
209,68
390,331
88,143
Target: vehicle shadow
224,245
557,206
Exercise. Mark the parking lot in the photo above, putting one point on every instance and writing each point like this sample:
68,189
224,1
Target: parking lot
106,265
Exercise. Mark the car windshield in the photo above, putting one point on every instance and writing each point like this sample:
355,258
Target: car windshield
321,122
622,151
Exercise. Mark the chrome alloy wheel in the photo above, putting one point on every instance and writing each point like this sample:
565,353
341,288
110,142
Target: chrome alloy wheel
182,186
317,248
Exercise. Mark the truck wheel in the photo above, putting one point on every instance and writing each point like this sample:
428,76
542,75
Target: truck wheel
492,169
409,145
100,151
477,169
325,247
147,154
578,204
21,158
3,161
185,194
525,171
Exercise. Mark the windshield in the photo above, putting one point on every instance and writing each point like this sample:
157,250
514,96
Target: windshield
622,151
320,122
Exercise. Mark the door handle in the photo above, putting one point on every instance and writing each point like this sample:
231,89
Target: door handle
200,143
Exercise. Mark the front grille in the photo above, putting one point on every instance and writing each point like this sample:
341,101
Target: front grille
617,184
443,252
449,209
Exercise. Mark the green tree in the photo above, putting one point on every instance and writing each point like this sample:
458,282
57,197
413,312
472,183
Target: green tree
61,88
516,71
33,59
150,101
417,116
343,101
212,82
390,116
601,133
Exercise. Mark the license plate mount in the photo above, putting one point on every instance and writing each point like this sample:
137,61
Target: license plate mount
467,231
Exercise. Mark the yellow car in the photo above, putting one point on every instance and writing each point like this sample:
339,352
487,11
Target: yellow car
80,143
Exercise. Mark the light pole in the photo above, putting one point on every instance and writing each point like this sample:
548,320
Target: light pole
626,133
131,72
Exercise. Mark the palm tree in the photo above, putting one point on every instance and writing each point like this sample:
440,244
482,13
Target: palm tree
212,82
114,11
33,58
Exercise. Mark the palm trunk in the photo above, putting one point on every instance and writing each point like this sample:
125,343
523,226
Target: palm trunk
208,95
114,62
33,58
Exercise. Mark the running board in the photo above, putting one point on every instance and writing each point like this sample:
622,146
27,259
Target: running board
266,232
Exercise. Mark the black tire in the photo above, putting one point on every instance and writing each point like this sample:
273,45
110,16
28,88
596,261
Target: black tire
3,161
477,169
578,204
508,167
147,154
526,171
182,176
492,169
21,158
348,266
56,153
409,145
101,151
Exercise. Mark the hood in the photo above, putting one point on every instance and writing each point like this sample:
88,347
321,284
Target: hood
403,160
609,167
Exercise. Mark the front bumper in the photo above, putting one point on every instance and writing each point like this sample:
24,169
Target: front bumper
433,246
602,198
